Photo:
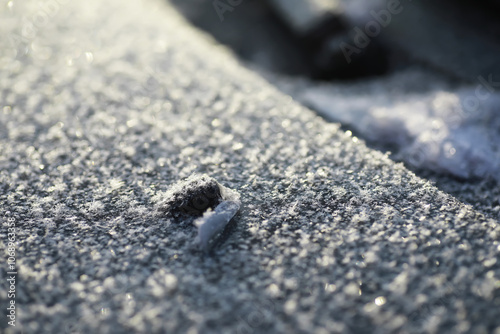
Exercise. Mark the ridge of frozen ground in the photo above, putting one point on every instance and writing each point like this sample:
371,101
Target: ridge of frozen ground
423,150
118,101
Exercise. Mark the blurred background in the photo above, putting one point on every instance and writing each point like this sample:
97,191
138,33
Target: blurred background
304,37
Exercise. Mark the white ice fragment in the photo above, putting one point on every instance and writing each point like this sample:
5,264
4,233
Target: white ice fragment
213,222
200,199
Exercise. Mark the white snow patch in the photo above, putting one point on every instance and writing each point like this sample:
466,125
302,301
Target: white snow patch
443,130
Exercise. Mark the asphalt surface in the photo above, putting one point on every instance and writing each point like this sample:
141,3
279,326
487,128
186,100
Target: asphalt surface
115,102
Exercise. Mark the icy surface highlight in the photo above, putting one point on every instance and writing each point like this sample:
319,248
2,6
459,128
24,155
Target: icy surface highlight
213,223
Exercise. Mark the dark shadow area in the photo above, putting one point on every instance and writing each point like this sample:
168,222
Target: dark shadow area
256,32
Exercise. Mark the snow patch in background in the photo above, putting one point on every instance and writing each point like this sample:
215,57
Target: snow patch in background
444,129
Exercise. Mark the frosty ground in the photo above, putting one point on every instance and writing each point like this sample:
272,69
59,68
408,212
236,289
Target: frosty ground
115,102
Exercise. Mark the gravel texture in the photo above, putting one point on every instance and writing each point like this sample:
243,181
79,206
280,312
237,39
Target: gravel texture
116,101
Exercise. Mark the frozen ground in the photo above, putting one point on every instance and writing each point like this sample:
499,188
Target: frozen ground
115,102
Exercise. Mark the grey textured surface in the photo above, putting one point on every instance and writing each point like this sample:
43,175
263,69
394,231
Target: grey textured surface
117,101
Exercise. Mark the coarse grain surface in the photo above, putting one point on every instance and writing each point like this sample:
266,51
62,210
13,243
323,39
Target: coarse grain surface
116,101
